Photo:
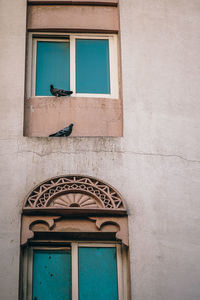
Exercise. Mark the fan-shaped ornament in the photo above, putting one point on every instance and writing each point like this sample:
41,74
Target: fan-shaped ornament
75,200
74,193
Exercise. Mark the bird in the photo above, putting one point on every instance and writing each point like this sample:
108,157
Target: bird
63,132
59,93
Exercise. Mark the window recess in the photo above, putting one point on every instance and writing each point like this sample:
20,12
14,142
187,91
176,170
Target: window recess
75,271
86,64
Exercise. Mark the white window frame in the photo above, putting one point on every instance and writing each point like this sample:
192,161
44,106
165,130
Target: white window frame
32,60
121,267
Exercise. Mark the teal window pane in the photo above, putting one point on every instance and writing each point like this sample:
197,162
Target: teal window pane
92,66
52,275
52,67
97,273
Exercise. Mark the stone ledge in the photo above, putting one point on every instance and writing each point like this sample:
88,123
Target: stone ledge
91,117
74,2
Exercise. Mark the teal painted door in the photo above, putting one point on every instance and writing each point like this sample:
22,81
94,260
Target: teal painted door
92,66
97,273
52,275
52,67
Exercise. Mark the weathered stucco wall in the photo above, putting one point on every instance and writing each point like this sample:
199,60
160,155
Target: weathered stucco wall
161,69
73,16
156,166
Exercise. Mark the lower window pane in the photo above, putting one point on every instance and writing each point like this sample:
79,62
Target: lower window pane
92,66
52,275
97,273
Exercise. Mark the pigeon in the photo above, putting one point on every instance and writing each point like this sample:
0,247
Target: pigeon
59,93
63,132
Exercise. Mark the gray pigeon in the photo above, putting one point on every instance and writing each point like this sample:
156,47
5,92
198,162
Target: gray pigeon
63,132
59,93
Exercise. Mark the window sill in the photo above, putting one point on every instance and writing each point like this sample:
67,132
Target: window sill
92,117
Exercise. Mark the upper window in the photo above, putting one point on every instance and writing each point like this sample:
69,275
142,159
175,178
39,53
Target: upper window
84,64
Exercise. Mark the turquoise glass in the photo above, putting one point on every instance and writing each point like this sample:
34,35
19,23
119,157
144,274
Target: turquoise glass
97,273
92,66
52,67
52,275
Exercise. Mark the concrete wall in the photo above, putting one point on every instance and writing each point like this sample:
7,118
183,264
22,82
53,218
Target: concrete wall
156,166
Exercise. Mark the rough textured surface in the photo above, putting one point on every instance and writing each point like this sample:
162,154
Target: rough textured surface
73,17
161,103
98,225
90,116
156,166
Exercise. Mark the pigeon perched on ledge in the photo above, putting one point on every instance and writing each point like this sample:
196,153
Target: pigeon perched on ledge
59,93
63,132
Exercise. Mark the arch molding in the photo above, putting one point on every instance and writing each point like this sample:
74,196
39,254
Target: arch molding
74,194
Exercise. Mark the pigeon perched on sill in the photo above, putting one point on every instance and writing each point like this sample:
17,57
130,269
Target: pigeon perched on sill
63,132
59,93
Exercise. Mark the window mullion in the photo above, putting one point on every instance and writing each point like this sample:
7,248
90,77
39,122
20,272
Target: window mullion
25,274
72,65
74,271
113,67
29,67
34,63
125,274
30,273
119,272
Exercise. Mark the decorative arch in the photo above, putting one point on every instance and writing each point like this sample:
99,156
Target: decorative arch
76,206
74,193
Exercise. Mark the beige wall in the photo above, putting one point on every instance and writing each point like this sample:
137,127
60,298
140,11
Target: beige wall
160,54
155,166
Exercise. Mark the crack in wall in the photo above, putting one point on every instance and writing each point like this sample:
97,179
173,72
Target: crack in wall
140,153
107,151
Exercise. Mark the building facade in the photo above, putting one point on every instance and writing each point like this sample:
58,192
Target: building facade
142,140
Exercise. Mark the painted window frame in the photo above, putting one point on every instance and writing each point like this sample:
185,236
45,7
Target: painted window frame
121,266
33,37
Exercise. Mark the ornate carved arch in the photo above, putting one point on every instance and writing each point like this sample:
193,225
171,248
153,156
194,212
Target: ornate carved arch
76,205
74,193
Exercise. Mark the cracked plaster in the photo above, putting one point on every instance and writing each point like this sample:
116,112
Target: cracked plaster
155,166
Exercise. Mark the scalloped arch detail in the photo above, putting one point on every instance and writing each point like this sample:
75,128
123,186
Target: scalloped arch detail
74,191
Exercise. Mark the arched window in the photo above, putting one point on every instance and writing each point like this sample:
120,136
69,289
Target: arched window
74,241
